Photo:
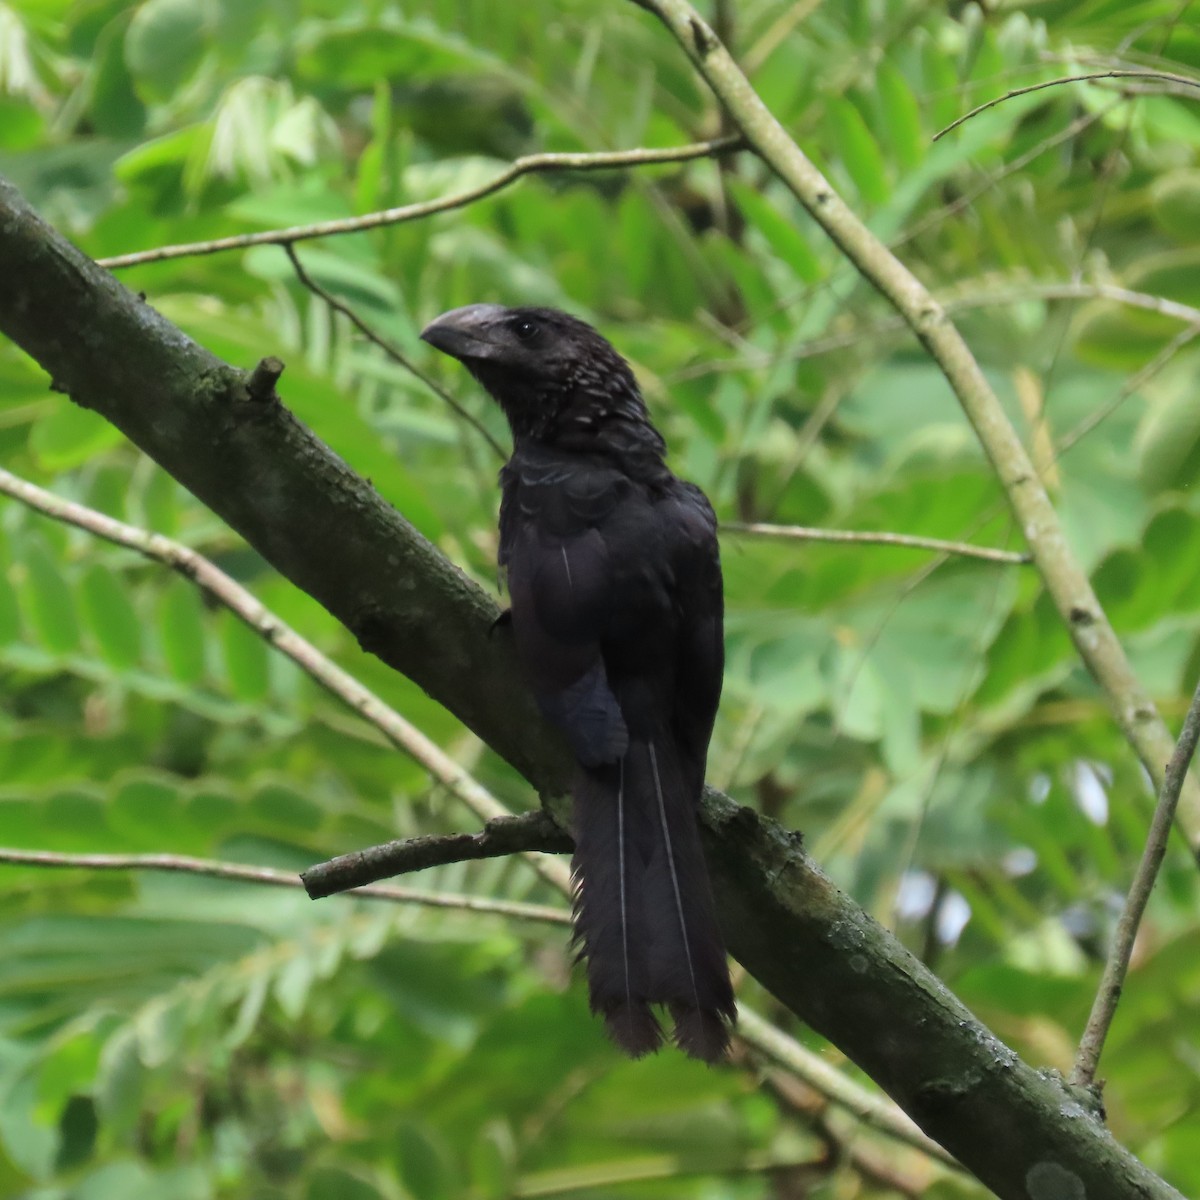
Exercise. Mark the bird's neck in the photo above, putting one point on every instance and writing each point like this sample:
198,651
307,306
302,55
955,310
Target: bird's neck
635,447
609,424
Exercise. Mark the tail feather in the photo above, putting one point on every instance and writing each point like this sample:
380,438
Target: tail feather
610,909
644,913
703,1033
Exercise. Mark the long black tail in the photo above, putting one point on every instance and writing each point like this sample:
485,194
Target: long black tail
644,917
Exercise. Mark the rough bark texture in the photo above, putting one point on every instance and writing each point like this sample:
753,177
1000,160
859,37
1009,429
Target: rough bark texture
1019,1130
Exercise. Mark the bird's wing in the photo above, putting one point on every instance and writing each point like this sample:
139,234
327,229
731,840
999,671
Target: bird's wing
561,581
699,604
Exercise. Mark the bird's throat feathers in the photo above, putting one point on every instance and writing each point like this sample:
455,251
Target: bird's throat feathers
590,406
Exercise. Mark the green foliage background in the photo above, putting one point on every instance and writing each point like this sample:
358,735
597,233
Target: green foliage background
924,722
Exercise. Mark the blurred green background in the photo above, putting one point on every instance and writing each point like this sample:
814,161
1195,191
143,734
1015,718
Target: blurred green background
924,721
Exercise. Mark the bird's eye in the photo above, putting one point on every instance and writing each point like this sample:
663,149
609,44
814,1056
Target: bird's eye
525,330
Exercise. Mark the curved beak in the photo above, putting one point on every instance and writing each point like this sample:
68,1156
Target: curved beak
464,333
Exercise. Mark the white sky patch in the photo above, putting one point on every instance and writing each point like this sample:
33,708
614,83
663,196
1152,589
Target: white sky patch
1019,861
1039,788
1088,788
952,918
914,896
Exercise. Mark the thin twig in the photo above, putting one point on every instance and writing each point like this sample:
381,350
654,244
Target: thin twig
953,301
875,1111
1162,76
501,836
1104,1006
529,164
274,878
390,350
1133,384
268,626
1079,125
809,533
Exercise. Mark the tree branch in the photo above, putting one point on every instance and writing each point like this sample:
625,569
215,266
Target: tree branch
329,533
531,831
530,164
1104,1007
1064,577
1184,81
954,301
807,533
217,869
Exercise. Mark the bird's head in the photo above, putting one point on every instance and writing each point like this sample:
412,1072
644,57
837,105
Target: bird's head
554,376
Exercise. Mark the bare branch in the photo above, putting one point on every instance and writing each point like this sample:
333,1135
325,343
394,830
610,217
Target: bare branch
226,591
501,836
529,164
390,350
956,300
1163,76
1104,1007
1079,125
808,533
260,384
217,869
1133,384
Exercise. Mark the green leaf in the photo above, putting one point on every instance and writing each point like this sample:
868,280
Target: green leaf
109,614
160,503
10,613
32,1145
114,105
1168,440
858,150
423,1164
146,814
48,601
71,435
1175,198
333,1183
292,985
781,233
166,43
77,1129
900,115
941,83
181,630
249,1011
21,126
246,660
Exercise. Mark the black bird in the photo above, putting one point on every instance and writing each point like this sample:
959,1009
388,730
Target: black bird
617,607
